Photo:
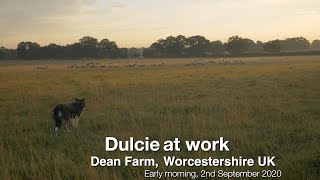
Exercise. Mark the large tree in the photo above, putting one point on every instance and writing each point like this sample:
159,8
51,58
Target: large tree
123,52
237,45
134,52
272,46
315,44
52,51
175,46
258,47
108,49
157,49
197,46
150,53
295,44
89,46
28,50
217,48
74,51
170,47
7,53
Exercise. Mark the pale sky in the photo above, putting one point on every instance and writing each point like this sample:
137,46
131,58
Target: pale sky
138,23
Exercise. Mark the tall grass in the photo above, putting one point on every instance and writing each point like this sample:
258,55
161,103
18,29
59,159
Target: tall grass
262,108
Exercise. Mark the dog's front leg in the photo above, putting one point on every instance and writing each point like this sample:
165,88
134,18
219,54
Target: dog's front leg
56,130
76,122
66,127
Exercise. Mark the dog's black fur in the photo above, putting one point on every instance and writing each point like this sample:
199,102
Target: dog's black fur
67,114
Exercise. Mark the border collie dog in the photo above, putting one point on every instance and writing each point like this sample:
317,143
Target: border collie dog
67,114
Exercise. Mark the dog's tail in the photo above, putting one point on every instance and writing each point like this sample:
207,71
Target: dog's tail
57,116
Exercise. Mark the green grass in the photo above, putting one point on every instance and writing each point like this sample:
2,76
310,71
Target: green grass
262,107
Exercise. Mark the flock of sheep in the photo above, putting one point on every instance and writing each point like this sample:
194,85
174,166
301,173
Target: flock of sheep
42,67
130,64
86,65
224,62
110,65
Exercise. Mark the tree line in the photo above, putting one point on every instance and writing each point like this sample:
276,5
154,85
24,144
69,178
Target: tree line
172,46
199,46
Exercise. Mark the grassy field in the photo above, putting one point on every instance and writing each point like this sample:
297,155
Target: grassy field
267,106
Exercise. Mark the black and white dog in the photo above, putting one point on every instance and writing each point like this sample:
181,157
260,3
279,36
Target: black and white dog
67,114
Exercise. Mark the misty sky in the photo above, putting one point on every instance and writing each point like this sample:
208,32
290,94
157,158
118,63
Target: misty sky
138,23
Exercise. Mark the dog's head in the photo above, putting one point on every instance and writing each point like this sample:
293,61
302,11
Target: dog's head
81,102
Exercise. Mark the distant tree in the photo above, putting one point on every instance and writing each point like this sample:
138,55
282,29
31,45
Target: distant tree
7,53
197,46
315,44
88,41
175,46
237,45
180,45
259,46
52,51
217,48
74,51
22,50
294,44
134,53
89,46
28,50
150,52
158,49
169,47
2,52
123,53
255,47
108,49
272,46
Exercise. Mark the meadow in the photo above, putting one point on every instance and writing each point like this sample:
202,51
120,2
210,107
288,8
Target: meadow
267,106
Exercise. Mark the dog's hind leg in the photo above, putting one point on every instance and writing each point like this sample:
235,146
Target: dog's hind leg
58,123
57,116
